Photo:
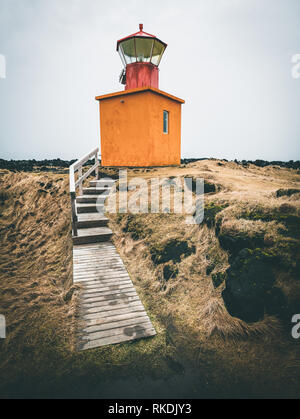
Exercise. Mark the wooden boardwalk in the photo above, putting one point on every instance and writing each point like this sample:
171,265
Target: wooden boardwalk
110,310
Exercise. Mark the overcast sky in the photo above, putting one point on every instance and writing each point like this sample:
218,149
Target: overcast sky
229,59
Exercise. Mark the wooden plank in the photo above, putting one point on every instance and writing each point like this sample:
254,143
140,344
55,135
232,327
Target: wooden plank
110,313
91,247
133,305
114,287
98,325
89,276
108,301
105,255
103,330
117,281
98,265
99,269
97,260
114,339
96,277
102,272
93,251
107,295
115,276
108,258
92,275
109,277
107,291
84,322
123,282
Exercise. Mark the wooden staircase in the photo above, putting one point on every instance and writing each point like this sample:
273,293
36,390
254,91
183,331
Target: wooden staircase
89,224
91,221
109,308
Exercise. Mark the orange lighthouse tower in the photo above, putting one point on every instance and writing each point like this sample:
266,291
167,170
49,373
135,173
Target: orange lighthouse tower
141,125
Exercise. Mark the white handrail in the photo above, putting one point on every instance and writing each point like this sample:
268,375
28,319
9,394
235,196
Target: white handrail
77,166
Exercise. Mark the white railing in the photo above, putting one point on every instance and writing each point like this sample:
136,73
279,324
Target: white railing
77,166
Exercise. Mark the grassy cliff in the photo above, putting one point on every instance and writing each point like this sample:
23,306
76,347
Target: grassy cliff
220,294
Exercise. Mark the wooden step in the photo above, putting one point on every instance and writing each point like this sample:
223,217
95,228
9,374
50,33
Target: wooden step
91,199
102,183
89,220
97,191
83,208
92,235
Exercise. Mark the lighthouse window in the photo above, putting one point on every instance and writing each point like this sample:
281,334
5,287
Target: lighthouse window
158,50
128,48
166,122
143,49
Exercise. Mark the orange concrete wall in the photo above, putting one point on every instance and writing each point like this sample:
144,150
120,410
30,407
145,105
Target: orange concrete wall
131,128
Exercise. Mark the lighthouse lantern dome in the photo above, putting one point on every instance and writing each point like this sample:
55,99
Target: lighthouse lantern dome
141,47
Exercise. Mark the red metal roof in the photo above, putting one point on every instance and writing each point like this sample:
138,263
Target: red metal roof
140,33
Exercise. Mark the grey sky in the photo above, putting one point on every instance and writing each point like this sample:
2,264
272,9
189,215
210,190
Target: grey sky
229,59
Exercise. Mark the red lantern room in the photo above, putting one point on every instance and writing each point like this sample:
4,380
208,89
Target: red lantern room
140,53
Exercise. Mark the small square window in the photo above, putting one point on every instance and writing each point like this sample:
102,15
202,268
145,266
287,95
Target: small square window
166,122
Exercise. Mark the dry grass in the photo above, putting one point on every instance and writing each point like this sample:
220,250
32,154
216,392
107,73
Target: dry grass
35,265
192,322
216,320
188,302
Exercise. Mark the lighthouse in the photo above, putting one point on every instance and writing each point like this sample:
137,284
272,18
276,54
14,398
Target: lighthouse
140,126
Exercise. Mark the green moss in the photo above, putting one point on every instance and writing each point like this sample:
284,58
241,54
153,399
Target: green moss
170,270
287,252
280,215
249,278
218,278
210,211
286,192
235,242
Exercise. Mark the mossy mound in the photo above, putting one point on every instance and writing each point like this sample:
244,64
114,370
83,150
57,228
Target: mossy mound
283,214
170,270
134,225
249,280
170,250
234,243
287,252
210,211
286,192
218,278
209,187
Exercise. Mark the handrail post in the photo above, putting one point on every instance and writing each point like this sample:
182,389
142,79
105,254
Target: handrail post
74,215
79,177
97,168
